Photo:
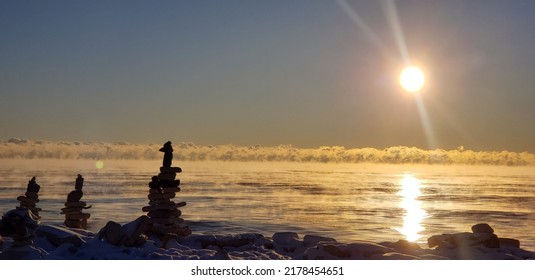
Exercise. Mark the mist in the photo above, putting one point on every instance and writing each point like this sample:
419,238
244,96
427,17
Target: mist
37,149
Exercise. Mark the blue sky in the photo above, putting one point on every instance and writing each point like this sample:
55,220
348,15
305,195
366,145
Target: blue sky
267,72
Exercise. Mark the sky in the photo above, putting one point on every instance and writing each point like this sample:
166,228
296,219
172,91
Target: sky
307,73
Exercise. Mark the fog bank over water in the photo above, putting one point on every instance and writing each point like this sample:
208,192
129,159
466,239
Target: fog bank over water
36,149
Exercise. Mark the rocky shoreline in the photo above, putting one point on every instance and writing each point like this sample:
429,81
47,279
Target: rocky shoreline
57,242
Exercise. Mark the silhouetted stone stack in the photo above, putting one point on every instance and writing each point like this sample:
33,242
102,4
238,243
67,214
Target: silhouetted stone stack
30,198
165,221
74,217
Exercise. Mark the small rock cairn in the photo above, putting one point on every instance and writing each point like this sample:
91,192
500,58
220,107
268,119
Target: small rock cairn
30,199
74,218
164,215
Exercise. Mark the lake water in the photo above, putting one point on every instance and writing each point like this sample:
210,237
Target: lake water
344,201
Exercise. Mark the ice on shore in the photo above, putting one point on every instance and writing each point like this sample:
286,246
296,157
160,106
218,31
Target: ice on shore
50,242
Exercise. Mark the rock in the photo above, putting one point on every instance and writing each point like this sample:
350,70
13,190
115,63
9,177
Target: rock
171,190
73,223
443,240
59,235
71,211
335,250
155,196
364,250
113,233
170,169
12,219
28,205
154,202
74,196
169,183
154,190
81,216
402,246
28,199
167,149
509,242
31,195
76,204
180,204
287,241
163,206
33,186
396,256
463,240
235,240
165,220
482,228
136,231
164,213
310,240
154,183
21,253
79,183
166,176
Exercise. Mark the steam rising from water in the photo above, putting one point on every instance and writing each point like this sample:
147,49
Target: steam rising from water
31,149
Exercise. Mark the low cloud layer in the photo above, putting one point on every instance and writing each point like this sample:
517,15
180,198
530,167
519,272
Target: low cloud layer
32,149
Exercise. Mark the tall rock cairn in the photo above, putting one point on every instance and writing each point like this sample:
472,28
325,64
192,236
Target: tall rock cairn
164,215
30,198
74,217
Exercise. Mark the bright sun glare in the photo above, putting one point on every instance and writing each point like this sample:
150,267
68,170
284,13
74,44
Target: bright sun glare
412,79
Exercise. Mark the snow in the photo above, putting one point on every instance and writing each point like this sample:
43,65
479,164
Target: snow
52,242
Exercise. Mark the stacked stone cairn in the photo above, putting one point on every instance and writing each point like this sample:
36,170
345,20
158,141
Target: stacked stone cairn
74,217
30,199
164,216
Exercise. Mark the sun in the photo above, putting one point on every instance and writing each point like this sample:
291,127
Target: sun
412,79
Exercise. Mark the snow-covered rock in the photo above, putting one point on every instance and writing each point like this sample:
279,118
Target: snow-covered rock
58,235
58,242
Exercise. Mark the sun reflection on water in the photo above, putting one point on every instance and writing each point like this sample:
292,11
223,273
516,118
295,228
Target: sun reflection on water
414,214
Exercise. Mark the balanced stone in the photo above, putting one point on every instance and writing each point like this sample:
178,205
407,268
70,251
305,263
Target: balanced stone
33,209
164,213
171,190
74,196
75,204
482,228
164,220
31,195
30,198
69,211
77,216
155,191
33,186
154,183
155,196
79,183
163,216
159,207
74,217
153,202
170,169
76,223
167,149
167,176
171,184
27,199
28,204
